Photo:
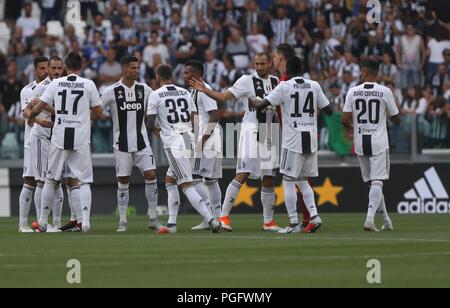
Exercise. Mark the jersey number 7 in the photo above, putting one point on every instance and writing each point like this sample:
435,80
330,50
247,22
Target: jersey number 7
63,94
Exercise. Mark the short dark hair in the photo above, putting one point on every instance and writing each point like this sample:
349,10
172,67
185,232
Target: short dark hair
286,50
294,67
73,61
372,66
197,66
128,59
55,58
165,72
264,54
39,60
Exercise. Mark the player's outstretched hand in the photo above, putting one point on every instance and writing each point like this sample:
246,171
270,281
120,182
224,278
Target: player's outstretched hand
197,84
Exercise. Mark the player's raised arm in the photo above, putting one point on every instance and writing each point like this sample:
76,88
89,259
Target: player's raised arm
199,85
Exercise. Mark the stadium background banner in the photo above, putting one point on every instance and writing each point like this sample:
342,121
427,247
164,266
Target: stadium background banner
413,189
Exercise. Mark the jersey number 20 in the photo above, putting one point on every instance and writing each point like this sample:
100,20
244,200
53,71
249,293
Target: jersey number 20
372,107
175,115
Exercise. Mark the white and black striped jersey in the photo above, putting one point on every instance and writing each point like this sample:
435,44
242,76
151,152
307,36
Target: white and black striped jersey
26,95
253,86
371,104
128,110
73,97
174,107
37,130
204,104
299,99
213,73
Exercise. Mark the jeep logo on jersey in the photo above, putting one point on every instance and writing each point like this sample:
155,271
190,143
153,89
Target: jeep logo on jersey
428,196
131,106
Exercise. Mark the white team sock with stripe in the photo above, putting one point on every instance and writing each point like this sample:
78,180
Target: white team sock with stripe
173,199
26,197
308,197
73,216
268,199
198,203
230,197
215,197
75,200
151,193
375,199
48,196
202,190
38,199
290,198
123,198
86,203
58,205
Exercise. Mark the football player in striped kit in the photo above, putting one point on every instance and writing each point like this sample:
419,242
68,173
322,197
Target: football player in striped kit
370,105
76,102
29,186
300,100
173,108
128,102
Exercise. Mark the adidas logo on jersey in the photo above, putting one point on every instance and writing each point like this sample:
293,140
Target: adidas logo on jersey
428,196
131,107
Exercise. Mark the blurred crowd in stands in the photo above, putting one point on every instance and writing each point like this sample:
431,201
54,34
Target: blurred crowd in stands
411,39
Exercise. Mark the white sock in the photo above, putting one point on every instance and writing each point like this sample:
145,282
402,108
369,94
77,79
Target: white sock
75,200
173,199
290,198
86,203
230,197
308,198
58,205
382,210
375,198
48,195
151,193
198,203
73,216
268,199
123,198
38,199
26,197
215,197
202,190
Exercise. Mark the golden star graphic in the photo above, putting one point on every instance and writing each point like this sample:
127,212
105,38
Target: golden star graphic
279,191
328,193
246,196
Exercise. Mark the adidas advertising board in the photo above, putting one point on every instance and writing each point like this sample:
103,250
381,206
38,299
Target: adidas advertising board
412,189
429,196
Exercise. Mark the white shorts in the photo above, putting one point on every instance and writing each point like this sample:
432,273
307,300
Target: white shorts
210,168
143,160
28,164
375,168
256,158
78,161
180,166
39,148
67,173
297,165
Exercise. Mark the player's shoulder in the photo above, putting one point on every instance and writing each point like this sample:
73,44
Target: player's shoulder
147,89
111,88
29,87
273,77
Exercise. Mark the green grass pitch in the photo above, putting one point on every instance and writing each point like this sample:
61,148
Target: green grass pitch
416,255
